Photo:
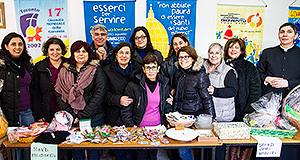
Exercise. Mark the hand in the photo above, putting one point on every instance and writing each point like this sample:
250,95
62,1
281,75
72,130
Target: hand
101,52
279,83
42,120
76,121
170,100
125,101
211,90
172,92
270,79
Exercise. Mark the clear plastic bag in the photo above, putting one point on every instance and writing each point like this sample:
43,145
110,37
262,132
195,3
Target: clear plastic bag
3,121
267,113
291,107
62,121
3,124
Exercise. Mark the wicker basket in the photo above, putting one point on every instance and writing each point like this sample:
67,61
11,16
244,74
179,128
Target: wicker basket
27,139
294,122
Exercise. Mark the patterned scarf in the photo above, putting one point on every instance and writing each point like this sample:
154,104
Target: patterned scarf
71,92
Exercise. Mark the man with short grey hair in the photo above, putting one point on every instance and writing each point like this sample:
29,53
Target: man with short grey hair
101,46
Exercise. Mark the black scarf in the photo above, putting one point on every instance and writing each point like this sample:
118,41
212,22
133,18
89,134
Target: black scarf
125,72
18,65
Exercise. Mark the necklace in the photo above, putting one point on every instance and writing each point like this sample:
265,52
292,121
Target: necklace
19,66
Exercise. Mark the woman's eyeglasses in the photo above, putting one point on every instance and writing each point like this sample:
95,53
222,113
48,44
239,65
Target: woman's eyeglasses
140,38
180,58
148,68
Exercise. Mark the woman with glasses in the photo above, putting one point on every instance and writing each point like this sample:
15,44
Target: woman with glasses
142,46
149,92
80,90
191,94
224,85
168,67
118,74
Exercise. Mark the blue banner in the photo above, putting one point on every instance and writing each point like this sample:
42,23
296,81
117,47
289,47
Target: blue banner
294,17
117,16
39,20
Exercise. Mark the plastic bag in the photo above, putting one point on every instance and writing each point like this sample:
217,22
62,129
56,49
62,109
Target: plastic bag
62,121
291,107
267,113
3,121
3,124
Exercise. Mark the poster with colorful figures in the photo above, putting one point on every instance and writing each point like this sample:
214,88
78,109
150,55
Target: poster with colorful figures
168,17
117,16
294,17
39,20
244,22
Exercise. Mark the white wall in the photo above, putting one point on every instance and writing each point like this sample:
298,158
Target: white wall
275,15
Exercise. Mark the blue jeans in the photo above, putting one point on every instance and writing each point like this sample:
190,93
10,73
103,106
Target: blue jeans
185,153
121,154
92,154
25,119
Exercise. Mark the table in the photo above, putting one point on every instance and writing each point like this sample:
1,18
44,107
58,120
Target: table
11,147
253,142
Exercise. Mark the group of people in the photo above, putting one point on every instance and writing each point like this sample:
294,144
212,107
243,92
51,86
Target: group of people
132,85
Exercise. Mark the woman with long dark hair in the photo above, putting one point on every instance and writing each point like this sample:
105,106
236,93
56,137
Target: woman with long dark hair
16,72
142,46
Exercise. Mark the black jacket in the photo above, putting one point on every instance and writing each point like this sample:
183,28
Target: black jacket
116,83
93,95
167,69
249,86
137,58
134,113
191,95
10,94
275,62
110,56
42,90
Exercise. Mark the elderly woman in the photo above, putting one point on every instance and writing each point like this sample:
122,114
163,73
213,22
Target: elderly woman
118,74
150,92
142,46
248,83
16,72
224,86
44,77
168,67
191,83
81,88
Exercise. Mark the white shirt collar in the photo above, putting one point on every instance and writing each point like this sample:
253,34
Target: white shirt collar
286,49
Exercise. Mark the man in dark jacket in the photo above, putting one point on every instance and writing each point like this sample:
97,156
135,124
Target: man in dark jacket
100,46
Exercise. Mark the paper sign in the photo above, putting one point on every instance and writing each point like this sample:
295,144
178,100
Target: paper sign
268,146
85,124
43,151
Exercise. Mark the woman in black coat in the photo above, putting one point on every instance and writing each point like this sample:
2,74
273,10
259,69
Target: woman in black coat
16,72
248,83
248,77
44,79
168,67
191,83
118,74
191,94
150,94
